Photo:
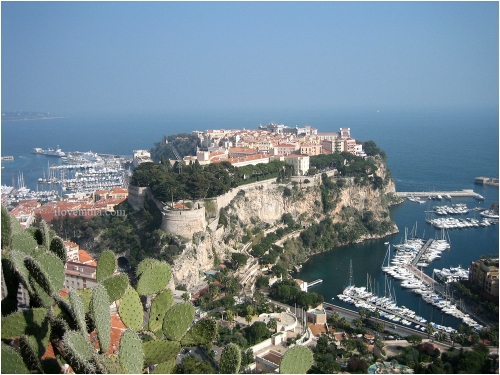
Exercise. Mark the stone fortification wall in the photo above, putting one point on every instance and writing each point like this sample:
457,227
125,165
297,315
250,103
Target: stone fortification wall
183,223
136,196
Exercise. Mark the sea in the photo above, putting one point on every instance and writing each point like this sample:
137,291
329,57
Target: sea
428,149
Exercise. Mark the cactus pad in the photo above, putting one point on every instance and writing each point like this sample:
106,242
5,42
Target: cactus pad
131,355
78,308
154,278
99,307
57,247
19,323
29,351
79,352
167,367
161,303
130,309
15,226
106,265
48,270
46,234
12,362
116,286
159,351
141,267
23,242
86,295
297,360
6,227
203,332
230,359
177,320
17,260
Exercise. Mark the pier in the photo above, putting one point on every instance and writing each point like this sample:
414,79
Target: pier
458,193
422,250
313,283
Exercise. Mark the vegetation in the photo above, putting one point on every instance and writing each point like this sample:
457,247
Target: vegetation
68,323
287,291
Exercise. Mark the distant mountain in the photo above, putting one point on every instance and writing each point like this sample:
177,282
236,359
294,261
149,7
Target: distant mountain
23,116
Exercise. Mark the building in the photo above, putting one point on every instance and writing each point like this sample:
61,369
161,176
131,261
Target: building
484,273
300,164
311,149
316,316
79,276
141,156
71,250
268,362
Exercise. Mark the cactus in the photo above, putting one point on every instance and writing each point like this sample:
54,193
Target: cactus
297,360
48,270
167,367
203,332
230,359
39,296
177,320
23,242
79,352
130,309
131,355
9,278
57,247
21,322
12,362
141,267
106,266
6,228
154,278
30,353
16,259
78,310
161,303
159,351
86,295
46,234
116,286
99,307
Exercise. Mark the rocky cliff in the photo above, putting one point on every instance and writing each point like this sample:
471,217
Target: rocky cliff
263,206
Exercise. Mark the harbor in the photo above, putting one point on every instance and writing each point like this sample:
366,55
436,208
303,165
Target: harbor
436,194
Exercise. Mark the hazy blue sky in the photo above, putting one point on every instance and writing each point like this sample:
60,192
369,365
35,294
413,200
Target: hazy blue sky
68,57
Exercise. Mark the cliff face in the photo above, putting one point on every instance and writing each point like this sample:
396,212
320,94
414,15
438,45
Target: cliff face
263,205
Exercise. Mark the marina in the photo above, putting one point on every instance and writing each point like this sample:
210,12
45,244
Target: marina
439,194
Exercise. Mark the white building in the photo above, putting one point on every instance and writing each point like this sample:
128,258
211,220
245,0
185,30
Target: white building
141,156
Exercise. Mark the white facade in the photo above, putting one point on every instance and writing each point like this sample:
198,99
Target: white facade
300,164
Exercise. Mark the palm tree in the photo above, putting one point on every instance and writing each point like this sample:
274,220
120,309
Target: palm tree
248,319
441,336
429,328
358,322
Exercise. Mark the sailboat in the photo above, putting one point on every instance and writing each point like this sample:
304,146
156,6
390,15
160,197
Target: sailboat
388,257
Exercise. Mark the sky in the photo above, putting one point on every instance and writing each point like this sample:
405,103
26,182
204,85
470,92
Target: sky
112,57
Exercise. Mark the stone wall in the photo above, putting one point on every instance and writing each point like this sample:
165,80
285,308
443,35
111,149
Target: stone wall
136,196
183,223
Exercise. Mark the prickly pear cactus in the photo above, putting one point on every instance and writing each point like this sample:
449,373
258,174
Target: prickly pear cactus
203,332
46,234
177,320
57,247
30,353
116,286
48,270
79,352
16,259
130,309
23,322
99,307
154,278
297,360
23,242
131,355
12,362
6,228
230,359
78,310
106,265
167,367
161,303
159,351
141,267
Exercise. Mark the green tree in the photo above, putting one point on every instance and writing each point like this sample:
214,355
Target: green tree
238,259
415,340
272,324
429,328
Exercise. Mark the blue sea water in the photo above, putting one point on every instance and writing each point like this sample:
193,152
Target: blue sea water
427,149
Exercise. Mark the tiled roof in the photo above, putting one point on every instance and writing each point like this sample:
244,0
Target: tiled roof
84,256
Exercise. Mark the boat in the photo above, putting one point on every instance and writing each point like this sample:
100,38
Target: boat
49,152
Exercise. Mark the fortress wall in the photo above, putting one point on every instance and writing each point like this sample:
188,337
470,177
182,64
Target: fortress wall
136,196
183,222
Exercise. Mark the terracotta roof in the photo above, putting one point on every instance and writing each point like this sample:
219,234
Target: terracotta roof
84,256
119,190
180,206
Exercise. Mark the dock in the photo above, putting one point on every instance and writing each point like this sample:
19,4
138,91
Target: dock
486,181
313,283
457,193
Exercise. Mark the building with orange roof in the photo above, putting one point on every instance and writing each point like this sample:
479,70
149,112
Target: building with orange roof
284,149
118,193
79,275
72,250
84,257
268,362
24,212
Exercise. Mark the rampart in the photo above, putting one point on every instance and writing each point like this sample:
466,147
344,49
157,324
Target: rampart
183,222
136,196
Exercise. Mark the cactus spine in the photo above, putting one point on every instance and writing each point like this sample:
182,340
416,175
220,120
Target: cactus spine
30,353
12,362
48,270
130,310
78,311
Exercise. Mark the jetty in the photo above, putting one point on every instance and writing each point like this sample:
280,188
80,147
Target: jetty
486,181
313,283
457,193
